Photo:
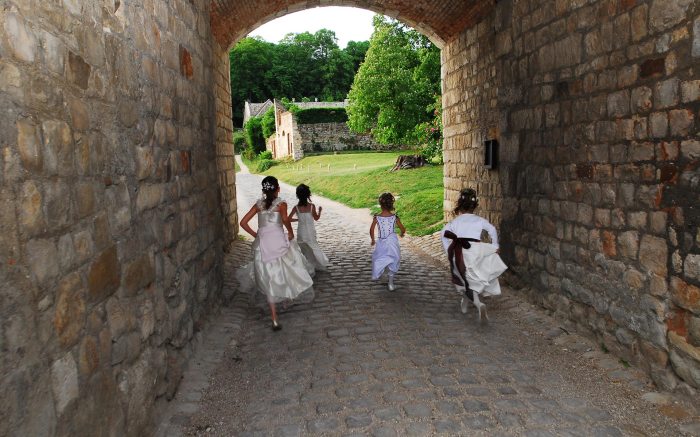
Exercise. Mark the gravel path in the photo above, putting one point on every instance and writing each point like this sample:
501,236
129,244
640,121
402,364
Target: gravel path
360,360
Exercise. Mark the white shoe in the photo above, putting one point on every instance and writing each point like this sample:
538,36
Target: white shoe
392,287
463,305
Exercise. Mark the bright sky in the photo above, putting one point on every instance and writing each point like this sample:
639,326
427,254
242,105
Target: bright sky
349,24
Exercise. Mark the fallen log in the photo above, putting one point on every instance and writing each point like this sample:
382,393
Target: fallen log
408,161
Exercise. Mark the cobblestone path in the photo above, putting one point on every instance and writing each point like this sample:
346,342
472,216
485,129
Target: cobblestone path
361,360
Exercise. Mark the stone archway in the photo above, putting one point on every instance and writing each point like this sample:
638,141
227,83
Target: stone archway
118,187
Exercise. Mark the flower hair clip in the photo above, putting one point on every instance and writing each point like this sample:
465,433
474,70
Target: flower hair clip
268,186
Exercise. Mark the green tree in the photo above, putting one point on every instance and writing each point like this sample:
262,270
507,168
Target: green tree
248,59
303,65
395,85
357,51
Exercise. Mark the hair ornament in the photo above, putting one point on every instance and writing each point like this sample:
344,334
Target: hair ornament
268,186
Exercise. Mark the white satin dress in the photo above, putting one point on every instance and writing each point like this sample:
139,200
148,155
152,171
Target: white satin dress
306,236
278,270
482,263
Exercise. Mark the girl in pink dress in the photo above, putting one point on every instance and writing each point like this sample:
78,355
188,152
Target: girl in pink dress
279,270
387,254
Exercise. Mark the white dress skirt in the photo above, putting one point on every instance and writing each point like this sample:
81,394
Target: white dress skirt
306,236
387,253
483,266
278,271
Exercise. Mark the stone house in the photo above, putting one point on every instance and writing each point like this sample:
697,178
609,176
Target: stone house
293,139
255,109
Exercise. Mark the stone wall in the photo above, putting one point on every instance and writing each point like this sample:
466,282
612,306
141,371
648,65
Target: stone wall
111,226
320,137
595,105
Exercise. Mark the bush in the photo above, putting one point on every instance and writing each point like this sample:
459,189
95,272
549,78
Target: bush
265,164
321,115
239,143
265,155
248,153
268,123
254,135
430,136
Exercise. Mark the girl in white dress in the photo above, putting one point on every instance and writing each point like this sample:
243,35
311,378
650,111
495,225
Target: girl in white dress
387,254
306,230
279,269
475,266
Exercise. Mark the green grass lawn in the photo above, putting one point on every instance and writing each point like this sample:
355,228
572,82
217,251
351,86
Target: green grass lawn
357,180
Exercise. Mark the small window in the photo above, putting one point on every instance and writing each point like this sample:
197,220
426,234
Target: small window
491,154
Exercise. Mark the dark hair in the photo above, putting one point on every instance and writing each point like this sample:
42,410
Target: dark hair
467,201
303,194
270,185
386,201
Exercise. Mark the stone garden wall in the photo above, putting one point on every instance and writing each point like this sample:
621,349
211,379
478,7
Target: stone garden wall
595,105
326,137
111,228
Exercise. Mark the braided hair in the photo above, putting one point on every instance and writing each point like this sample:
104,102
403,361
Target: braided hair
386,201
467,201
270,185
303,194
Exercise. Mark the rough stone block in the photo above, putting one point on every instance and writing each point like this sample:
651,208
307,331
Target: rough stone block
69,316
78,70
64,382
57,201
619,104
104,275
691,266
690,149
638,22
58,153
690,91
88,356
653,254
138,274
54,53
681,122
85,198
148,197
42,258
29,144
664,14
685,359
23,42
628,243
658,125
685,295
80,115
641,99
666,93
31,215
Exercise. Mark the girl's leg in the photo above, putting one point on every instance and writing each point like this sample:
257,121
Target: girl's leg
392,287
273,311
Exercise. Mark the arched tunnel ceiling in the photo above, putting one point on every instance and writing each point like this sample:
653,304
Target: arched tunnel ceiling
440,20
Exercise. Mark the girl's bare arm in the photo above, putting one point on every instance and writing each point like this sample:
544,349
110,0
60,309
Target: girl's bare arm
291,215
285,220
246,218
400,225
317,215
371,229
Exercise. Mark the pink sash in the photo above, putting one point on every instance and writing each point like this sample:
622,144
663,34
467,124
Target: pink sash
273,242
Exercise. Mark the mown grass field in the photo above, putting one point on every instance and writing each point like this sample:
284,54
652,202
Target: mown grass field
357,180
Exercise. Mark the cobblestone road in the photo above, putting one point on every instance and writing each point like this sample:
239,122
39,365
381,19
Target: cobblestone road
360,360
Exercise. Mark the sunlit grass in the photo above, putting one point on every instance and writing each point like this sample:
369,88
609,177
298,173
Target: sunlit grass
357,180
